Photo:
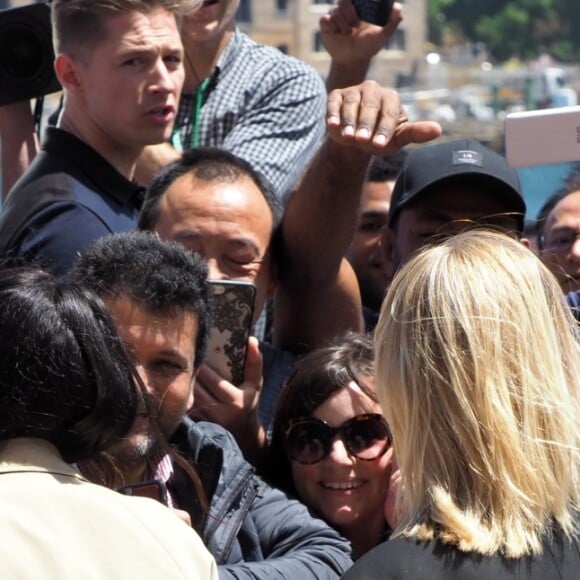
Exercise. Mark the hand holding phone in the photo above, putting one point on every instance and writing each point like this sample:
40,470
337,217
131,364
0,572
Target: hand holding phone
233,407
350,42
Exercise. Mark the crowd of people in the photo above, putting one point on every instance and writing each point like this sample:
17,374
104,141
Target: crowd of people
411,408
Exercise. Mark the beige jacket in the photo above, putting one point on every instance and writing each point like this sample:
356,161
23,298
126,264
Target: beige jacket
57,525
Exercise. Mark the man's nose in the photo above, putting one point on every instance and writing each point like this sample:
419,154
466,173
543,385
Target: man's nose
144,376
214,272
339,453
165,80
574,253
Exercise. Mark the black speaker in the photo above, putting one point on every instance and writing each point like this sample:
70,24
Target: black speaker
26,54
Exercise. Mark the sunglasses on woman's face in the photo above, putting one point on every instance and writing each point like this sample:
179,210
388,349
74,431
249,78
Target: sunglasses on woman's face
310,440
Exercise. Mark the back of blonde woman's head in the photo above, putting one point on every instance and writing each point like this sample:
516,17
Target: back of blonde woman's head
478,375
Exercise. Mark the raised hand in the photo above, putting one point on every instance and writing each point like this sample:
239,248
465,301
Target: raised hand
235,408
350,40
372,118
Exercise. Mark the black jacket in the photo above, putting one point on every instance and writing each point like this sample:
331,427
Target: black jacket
402,559
252,530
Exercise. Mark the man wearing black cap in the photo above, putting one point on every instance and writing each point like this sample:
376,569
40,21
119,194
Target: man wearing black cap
445,188
441,190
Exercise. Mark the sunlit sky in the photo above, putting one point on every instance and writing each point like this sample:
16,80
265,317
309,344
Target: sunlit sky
539,182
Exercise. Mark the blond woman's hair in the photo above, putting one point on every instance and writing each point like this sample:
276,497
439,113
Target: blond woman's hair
478,375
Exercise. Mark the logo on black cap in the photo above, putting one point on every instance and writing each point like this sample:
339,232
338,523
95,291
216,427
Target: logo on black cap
467,157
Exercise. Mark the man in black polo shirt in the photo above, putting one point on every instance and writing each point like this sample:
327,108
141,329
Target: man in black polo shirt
121,70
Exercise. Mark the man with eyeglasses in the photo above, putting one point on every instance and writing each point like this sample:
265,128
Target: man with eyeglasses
444,189
559,235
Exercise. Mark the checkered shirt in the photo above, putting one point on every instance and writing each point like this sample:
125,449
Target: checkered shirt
263,106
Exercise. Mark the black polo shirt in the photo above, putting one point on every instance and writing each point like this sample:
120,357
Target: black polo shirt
68,197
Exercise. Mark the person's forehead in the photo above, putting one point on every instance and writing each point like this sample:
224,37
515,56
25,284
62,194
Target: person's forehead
376,195
140,30
565,212
241,196
447,204
240,204
341,405
133,319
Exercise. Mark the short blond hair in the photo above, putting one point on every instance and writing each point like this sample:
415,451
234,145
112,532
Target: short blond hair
478,375
78,25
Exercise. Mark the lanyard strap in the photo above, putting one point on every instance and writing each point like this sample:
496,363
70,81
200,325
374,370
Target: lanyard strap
194,136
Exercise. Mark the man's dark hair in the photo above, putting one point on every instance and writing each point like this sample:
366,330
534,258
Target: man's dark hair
64,375
211,165
386,168
160,276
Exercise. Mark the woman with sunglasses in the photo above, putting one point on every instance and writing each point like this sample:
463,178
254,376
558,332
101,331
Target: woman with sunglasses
330,444
478,375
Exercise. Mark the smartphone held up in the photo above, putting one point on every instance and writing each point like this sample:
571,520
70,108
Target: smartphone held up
543,137
374,11
232,305
153,489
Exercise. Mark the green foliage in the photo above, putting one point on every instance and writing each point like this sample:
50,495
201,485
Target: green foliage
518,28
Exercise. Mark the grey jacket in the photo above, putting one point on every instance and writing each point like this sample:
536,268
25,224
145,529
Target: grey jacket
252,530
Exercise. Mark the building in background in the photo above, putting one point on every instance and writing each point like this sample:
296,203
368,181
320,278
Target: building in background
292,26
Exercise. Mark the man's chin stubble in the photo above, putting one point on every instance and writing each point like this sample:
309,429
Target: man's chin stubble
134,453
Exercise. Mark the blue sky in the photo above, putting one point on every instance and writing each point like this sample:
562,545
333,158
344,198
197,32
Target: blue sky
539,182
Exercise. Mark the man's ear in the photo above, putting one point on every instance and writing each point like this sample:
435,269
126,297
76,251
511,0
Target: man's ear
67,72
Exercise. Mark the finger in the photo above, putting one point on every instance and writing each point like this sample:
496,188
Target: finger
341,22
419,132
378,115
203,403
349,12
253,370
205,377
395,19
327,24
349,110
220,389
208,407
203,397
333,106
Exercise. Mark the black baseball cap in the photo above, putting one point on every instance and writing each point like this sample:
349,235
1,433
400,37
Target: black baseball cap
465,162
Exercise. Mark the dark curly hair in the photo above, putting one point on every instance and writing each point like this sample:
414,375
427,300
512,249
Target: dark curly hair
161,276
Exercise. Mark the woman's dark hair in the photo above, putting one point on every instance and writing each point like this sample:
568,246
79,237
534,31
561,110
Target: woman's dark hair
315,378
64,375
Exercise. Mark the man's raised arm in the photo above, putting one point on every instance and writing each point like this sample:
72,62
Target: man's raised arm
317,295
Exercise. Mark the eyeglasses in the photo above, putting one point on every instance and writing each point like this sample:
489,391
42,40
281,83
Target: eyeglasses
560,240
310,440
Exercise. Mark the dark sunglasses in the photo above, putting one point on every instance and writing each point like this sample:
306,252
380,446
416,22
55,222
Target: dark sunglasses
310,440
